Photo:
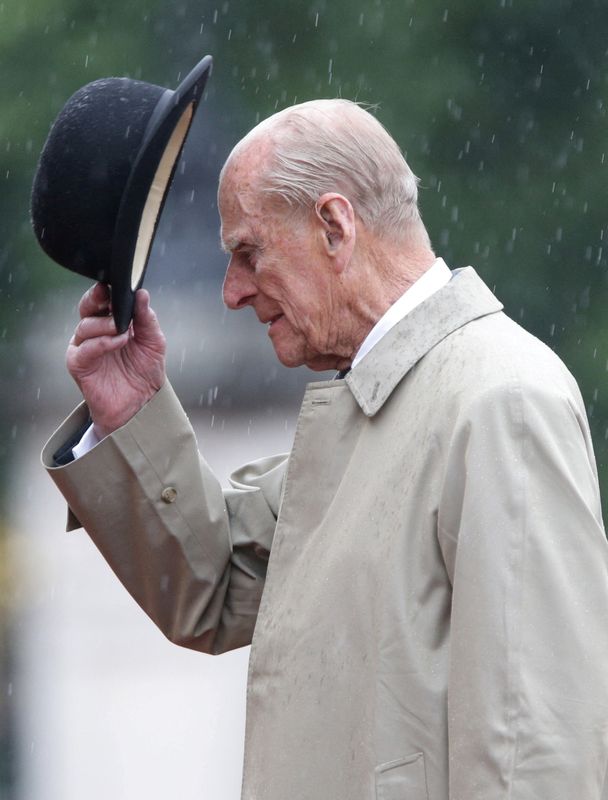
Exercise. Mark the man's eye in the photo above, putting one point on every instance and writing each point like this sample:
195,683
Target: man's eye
250,258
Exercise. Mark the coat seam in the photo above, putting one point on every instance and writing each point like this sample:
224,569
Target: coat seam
517,565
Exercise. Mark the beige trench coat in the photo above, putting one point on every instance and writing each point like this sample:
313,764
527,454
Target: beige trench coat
434,616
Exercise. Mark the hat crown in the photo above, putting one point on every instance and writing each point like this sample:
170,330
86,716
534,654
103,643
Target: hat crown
83,170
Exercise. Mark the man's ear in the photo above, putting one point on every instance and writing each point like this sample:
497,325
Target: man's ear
336,226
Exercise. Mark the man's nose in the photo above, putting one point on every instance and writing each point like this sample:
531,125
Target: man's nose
239,287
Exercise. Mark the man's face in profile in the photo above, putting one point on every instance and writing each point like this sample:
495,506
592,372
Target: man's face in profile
277,266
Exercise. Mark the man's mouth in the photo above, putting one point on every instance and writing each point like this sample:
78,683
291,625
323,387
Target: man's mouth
274,319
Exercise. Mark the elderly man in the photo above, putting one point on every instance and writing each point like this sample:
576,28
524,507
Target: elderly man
424,579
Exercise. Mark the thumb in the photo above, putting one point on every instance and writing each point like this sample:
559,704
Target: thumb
146,329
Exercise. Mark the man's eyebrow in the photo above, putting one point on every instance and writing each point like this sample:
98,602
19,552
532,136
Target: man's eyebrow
233,244
228,245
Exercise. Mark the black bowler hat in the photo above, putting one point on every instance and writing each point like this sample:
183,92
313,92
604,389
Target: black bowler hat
103,177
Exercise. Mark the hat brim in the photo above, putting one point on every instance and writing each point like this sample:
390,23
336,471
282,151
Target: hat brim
147,188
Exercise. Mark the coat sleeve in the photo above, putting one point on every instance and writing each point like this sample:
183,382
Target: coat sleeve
193,557
521,533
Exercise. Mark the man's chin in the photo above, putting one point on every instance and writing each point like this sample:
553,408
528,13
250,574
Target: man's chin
316,362
288,358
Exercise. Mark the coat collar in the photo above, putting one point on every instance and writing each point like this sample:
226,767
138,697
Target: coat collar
463,299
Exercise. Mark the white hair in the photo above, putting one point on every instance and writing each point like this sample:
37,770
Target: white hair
336,146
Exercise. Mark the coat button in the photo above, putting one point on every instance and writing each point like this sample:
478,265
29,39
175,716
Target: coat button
168,494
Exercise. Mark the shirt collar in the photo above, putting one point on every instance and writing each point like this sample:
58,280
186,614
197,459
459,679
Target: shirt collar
427,284
464,298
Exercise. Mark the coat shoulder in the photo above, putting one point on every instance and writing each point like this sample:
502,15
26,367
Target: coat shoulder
492,354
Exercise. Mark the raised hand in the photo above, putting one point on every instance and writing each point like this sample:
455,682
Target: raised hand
117,374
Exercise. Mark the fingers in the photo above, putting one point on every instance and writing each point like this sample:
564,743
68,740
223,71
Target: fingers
91,327
97,323
95,301
85,356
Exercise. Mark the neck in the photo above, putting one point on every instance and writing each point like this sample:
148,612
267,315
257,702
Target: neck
382,275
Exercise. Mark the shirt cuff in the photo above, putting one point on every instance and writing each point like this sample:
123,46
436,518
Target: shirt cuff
88,442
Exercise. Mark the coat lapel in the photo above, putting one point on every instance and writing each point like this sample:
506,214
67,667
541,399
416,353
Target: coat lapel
463,299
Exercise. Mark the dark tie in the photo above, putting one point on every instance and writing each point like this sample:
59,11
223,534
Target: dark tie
342,374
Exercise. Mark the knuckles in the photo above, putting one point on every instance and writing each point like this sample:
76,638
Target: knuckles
94,326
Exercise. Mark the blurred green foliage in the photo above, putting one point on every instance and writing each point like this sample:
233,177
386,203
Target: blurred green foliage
500,107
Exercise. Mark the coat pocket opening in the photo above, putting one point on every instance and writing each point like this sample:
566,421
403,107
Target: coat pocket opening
402,779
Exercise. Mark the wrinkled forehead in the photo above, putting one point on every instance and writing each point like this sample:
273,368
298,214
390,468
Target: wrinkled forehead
240,189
